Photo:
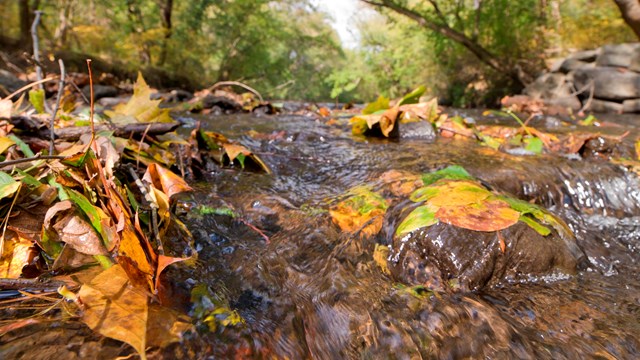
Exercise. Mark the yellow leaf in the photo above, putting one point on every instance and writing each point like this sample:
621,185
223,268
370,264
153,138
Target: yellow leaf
140,107
5,143
380,255
15,256
114,308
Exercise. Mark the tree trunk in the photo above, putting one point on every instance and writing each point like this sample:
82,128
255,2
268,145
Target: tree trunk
630,10
166,8
26,17
470,44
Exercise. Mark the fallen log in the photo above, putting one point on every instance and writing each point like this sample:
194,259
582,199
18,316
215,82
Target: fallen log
35,126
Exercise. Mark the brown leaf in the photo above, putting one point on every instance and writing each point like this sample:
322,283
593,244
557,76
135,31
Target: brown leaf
165,180
114,308
388,120
5,108
234,150
165,326
80,235
163,262
137,262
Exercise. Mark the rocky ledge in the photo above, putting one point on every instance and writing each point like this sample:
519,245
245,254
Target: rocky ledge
606,79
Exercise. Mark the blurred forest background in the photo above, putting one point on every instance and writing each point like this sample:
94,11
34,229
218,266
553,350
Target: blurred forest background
468,52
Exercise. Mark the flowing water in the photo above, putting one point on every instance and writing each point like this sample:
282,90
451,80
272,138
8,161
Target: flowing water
314,292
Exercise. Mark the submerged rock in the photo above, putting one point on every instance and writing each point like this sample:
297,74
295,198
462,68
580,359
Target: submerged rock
443,253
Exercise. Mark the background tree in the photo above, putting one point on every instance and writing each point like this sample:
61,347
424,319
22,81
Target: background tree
630,10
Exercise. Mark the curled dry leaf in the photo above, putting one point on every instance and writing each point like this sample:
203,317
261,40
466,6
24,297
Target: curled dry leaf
165,180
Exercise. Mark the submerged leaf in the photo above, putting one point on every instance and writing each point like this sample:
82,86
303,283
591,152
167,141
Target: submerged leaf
380,255
453,172
362,210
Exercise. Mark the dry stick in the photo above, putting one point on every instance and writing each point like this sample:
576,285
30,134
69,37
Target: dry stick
587,104
29,86
6,220
36,52
152,205
37,157
237,83
252,227
55,111
144,135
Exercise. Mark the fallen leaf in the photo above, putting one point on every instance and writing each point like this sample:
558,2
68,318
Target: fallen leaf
36,98
420,217
15,255
80,235
116,309
380,255
8,186
165,180
491,215
381,104
5,143
164,262
140,107
6,106
165,326
362,210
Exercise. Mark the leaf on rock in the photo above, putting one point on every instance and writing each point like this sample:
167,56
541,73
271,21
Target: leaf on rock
420,217
491,215
427,111
453,172
413,97
362,210
116,309
401,183
388,120
381,104
165,180
140,107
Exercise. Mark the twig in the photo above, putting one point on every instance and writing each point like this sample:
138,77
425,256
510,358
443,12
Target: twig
237,83
144,135
55,111
91,104
587,104
36,42
264,236
36,53
37,157
26,87
6,219
152,205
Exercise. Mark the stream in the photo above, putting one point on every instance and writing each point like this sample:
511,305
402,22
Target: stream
314,292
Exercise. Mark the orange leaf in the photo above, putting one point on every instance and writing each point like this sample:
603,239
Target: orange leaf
492,215
165,180
234,150
163,262
114,308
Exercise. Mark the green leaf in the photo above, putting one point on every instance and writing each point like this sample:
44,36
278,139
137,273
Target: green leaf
453,172
206,210
533,144
8,186
540,229
26,150
413,97
420,217
27,179
381,104
36,98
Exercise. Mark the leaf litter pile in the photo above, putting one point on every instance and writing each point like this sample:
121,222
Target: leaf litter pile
91,224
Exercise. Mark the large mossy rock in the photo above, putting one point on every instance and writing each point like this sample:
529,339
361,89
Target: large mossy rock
609,83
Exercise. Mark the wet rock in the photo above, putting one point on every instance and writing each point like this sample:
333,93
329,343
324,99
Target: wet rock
417,130
442,253
566,102
605,106
100,91
616,55
609,83
112,101
222,102
548,86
